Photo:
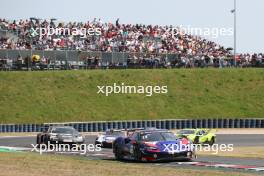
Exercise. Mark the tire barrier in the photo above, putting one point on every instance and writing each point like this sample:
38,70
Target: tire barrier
161,124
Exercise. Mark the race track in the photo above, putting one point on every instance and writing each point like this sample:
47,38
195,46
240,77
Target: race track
236,139
212,161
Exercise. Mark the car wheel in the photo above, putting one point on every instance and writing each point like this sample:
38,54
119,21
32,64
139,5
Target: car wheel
137,153
38,142
45,140
118,154
139,156
196,140
187,159
98,143
190,156
212,141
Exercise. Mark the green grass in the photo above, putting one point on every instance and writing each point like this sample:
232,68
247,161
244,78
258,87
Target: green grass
32,164
59,96
238,152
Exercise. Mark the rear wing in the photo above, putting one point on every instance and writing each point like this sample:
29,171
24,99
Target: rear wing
45,127
130,131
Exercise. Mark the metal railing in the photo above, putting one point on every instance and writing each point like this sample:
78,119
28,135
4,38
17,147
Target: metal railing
72,59
160,124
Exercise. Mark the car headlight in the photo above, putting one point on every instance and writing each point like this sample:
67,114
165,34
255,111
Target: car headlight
150,148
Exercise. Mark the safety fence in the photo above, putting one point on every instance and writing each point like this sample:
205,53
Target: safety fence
160,124
72,59
79,56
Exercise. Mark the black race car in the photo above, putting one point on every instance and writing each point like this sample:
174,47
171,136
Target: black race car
60,135
153,145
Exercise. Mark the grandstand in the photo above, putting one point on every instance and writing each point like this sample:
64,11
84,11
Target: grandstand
117,46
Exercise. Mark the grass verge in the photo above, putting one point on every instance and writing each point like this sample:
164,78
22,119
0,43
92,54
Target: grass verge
29,164
52,96
240,152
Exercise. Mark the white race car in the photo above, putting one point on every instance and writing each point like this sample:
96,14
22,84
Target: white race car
107,138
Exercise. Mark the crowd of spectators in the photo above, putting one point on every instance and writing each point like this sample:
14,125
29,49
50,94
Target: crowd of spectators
116,37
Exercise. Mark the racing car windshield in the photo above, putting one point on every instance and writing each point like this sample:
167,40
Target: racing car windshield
169,136
161,136
186,132
63,130
115,133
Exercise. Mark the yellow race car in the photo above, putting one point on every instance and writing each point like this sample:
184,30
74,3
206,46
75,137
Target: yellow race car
198,136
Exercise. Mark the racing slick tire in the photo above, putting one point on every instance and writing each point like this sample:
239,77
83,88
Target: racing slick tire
196,140
118,154
137,154
212,141
38,141
99,143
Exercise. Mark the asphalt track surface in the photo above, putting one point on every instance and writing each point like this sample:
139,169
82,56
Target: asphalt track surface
238,140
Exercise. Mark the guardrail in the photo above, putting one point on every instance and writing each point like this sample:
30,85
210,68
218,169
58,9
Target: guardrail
81,56
162,124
